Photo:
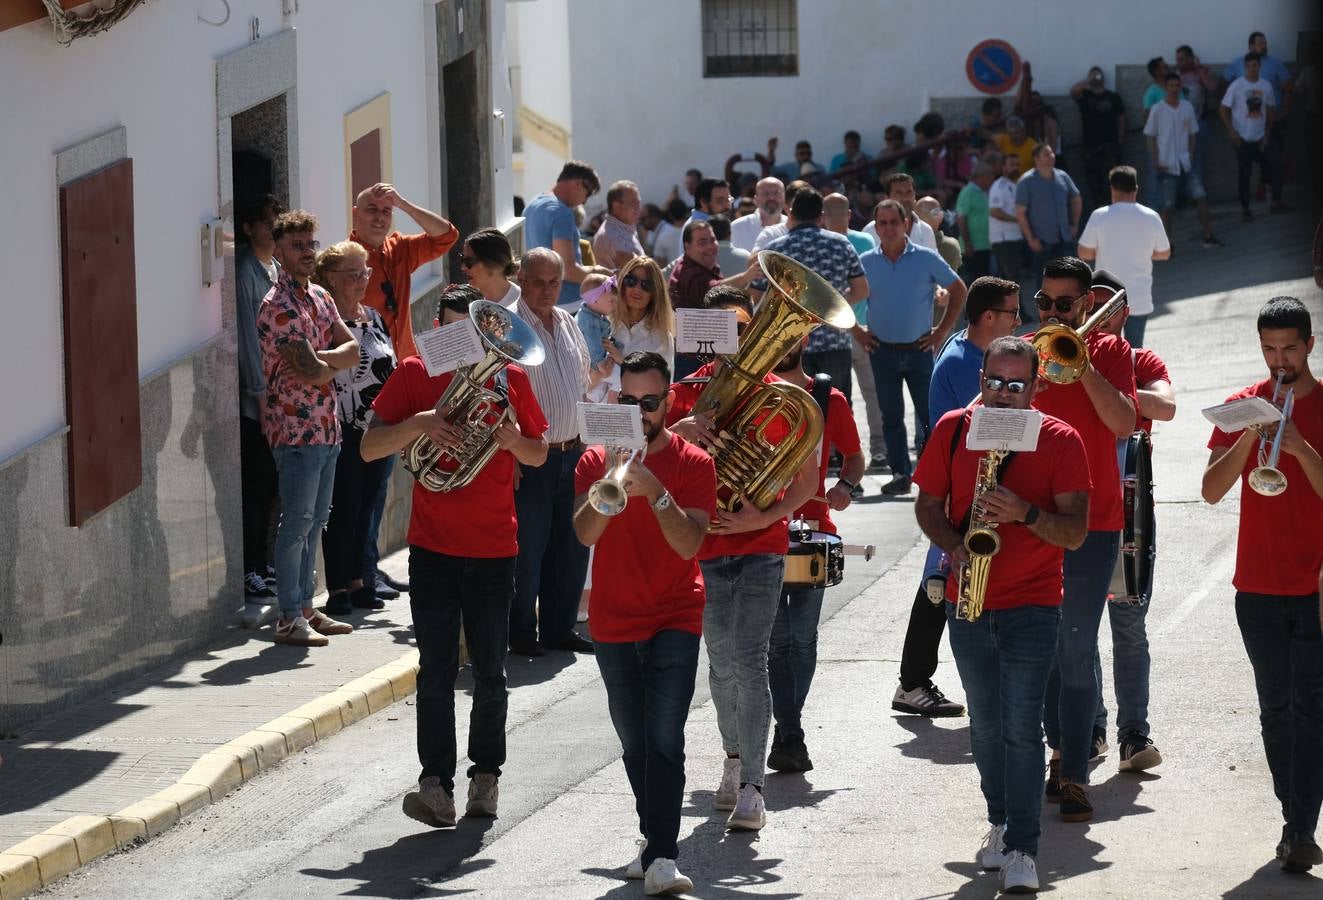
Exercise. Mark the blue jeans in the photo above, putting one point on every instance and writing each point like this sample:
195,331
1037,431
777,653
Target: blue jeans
649,685
346,539
1130,668
445,590
742,594
792,656
894,370
1004,659
306,475
1134,329
552,564
1072,689
1285,648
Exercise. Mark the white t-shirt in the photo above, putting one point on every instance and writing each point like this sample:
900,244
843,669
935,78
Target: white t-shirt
1125,236
511,297
1249,102
669,243
744,231
1002,196
769,234
1172,127
920,232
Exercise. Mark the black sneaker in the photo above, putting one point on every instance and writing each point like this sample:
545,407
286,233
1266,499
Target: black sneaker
393,583
256,588
925,700
1075,805
384,590
878,463
1100,748
897,487
366,598
1052,790
1138,754
789,755
1299,853
1211,240
519,647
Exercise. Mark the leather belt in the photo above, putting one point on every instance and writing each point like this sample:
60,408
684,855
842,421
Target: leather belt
912,345
572,444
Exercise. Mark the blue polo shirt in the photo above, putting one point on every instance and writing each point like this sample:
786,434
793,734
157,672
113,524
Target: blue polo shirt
547,219
1047,204
861,243
955,376
900,293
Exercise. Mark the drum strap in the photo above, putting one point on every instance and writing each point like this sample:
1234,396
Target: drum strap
1001,469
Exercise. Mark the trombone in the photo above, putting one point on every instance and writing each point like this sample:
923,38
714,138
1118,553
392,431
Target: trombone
1062,354
607,494
1266,478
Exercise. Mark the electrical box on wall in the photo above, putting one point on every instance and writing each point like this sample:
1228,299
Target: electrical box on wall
213,251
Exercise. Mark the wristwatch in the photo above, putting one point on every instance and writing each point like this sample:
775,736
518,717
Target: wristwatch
1031,516
849,485
664,502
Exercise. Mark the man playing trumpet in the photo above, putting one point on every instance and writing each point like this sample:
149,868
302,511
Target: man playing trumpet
1040,506
646,606
1278,556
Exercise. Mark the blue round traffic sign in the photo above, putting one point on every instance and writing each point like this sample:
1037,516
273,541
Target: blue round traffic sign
993,66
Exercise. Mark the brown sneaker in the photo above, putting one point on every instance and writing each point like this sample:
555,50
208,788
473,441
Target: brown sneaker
298,633
431,804
1075,805
1052,790
324,624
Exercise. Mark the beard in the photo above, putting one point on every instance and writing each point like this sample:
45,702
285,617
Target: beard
1290,376
790,361
651,430
771,208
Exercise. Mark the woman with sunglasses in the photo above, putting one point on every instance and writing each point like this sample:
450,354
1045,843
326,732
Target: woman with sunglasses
489,263
343,270
642,320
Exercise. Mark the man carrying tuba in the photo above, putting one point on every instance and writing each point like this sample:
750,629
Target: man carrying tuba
462,548
1039,505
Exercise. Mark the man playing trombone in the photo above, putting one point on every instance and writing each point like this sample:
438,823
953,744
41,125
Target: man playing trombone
1279,553
646,605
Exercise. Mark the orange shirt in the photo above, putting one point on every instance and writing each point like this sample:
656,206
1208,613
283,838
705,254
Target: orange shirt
393,265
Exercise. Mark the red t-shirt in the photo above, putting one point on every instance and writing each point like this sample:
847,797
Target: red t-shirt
476,521
1279,549
1027,570
839,431
775,538
1070,403
391,283
640,584
1149,368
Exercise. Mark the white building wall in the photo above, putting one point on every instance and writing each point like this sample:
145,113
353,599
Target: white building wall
541,30
642,110
154,73
502,127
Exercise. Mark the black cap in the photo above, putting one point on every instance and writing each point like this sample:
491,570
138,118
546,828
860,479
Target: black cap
1105,279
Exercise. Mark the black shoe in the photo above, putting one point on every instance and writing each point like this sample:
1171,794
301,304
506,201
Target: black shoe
573,643
256,588
366,598
338,604
1075,805
790,756
1211,240
878,463
856,492
527,648
925,700
1299,853
897,487
1099,747
394,583
1052,790
384,590
1138,754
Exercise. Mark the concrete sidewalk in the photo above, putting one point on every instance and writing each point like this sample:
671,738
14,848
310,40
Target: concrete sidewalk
129,763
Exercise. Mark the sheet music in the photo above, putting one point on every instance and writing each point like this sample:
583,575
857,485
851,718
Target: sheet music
611,425
447,348
706,331
1240,414
1004,429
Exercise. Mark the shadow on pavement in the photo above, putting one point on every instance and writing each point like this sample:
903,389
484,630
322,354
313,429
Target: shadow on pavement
945,746
1270,881
414,865
269,660
521,671
793,790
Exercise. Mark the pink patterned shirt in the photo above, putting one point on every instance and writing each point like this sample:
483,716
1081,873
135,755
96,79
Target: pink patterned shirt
293,411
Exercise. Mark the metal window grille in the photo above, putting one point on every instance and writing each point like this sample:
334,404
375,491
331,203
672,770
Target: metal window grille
750,37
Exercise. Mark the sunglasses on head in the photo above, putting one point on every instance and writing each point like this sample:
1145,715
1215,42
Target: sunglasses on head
642,282
649,403
1015,386
1063,304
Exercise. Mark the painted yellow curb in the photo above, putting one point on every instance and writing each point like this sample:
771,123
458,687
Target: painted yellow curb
45,858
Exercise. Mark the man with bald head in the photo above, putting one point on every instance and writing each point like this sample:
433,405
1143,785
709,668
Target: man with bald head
617,240
770,197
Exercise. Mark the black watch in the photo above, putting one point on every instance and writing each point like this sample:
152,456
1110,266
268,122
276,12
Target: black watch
849,485
1031,516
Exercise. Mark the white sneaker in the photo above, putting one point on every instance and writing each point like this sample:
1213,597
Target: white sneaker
430,804
750,812
635,869
992,852
483,794
664,878
1019,875
730,784
298,633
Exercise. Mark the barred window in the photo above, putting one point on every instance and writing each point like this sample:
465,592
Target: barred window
750,37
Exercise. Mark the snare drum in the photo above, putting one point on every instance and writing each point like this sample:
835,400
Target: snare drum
816,560
1132,580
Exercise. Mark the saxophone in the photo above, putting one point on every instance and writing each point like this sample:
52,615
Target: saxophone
981,540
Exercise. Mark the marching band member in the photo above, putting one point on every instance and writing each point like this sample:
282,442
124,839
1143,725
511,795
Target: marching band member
792,654
646,607
1040,505
462,548
1101,407
1278,557
743,563
1154,399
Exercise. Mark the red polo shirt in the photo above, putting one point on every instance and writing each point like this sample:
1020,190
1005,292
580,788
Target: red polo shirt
390,287
1149,368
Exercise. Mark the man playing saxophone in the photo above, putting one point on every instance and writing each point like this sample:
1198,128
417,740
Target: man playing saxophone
462,548
1039,504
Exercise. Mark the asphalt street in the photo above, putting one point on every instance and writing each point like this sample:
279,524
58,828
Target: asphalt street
892,808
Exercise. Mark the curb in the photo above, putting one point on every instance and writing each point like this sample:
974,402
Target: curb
45,858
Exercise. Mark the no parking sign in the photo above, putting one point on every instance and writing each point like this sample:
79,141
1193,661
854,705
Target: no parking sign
993,66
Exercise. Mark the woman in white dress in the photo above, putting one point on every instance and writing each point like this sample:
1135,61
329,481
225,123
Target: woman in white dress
642,318
488,261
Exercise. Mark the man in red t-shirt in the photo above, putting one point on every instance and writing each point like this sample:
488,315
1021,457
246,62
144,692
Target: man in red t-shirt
646,608
743,560
1130,651
462,549
1101,407
1279,554
1004,657
792,654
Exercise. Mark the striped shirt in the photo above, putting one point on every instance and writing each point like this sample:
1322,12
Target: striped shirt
562,379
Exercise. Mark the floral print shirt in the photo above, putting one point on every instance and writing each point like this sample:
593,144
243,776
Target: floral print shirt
295,413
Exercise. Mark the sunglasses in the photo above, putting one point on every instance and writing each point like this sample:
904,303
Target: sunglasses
1016,386
1063,304
650,403
643,283
359,275
304,246
468,262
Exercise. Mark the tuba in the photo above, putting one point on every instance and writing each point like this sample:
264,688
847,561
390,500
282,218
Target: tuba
766,431
607,494
981,540
1062,354
476,410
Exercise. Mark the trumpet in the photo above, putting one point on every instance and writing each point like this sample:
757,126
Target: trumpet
607,494
1062,354
1266,478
